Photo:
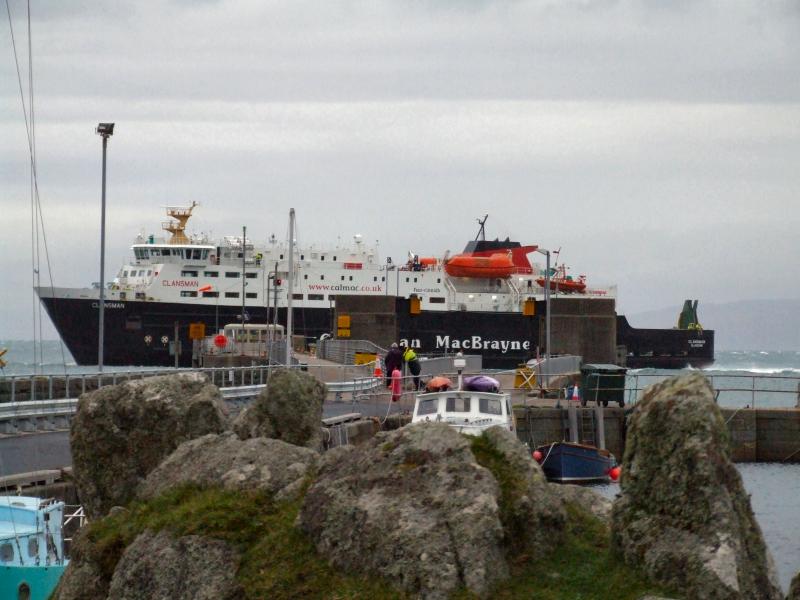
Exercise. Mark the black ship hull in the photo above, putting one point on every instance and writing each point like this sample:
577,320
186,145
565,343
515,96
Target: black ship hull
142,333
665,348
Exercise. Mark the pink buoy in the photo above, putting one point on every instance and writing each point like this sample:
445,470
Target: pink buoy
537,456
397,390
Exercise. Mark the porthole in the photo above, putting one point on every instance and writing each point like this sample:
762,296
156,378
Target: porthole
6,552
23,592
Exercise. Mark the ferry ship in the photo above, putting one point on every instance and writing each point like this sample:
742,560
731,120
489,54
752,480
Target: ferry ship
489,299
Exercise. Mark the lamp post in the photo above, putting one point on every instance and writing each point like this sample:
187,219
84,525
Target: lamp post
547,310
104,130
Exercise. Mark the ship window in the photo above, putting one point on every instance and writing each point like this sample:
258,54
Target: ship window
406,279
374,279
33,547
322,257
305,276
133,323
238,255
342,277
281,257
438,281
165,252
321,277
124,273
6,552
383,278
187,294
351,278
458,404
489,406
334,258
415,280
297,296
437,300
231,294
302,257
210,294
149,272
197,254
188,273
204,256
427,407
155,252
331,296
251,295
210,274
231,274
316,297
251,275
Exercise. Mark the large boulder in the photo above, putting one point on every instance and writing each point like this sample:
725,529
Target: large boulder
683,515
225,460
415,506
120,433
191,567
289,409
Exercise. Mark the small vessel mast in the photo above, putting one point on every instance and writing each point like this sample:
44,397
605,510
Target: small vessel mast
177,228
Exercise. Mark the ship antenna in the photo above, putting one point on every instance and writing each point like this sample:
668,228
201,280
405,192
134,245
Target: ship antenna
482,231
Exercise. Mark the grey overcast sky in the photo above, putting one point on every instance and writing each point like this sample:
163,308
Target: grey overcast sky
657,143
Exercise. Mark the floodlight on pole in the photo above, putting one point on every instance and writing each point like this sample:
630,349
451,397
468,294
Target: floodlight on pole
104,130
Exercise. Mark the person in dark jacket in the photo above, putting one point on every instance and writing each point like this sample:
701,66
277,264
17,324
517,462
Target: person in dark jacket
393,360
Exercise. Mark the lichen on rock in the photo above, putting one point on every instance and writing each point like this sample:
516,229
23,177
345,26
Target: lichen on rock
122,432
683,515
192,567
289,409
226,461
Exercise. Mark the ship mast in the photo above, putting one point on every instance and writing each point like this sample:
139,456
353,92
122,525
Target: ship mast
482,231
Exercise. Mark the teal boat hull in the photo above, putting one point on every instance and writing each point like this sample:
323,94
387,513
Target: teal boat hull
41,581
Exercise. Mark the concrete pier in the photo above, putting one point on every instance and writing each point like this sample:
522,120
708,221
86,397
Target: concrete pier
756,435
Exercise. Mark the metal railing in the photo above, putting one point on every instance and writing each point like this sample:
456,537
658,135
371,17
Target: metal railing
344,351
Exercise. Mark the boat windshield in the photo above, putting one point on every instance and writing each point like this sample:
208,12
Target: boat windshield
457,404
427,407
491,406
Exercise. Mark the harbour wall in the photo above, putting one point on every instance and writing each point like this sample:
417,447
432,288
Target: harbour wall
756,435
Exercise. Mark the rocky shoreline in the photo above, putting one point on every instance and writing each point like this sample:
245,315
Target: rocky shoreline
188,503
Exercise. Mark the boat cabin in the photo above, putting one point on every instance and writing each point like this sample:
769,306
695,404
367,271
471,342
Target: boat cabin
468,411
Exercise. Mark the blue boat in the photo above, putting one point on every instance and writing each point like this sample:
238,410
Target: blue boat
567,462
31,547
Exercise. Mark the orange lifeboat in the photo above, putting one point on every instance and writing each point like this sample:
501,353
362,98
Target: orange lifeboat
464,265
561,282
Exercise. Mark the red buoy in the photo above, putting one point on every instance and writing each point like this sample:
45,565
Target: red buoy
396,385
537,456
614,473
220,341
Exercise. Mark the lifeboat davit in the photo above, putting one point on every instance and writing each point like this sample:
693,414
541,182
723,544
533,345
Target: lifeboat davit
498,265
